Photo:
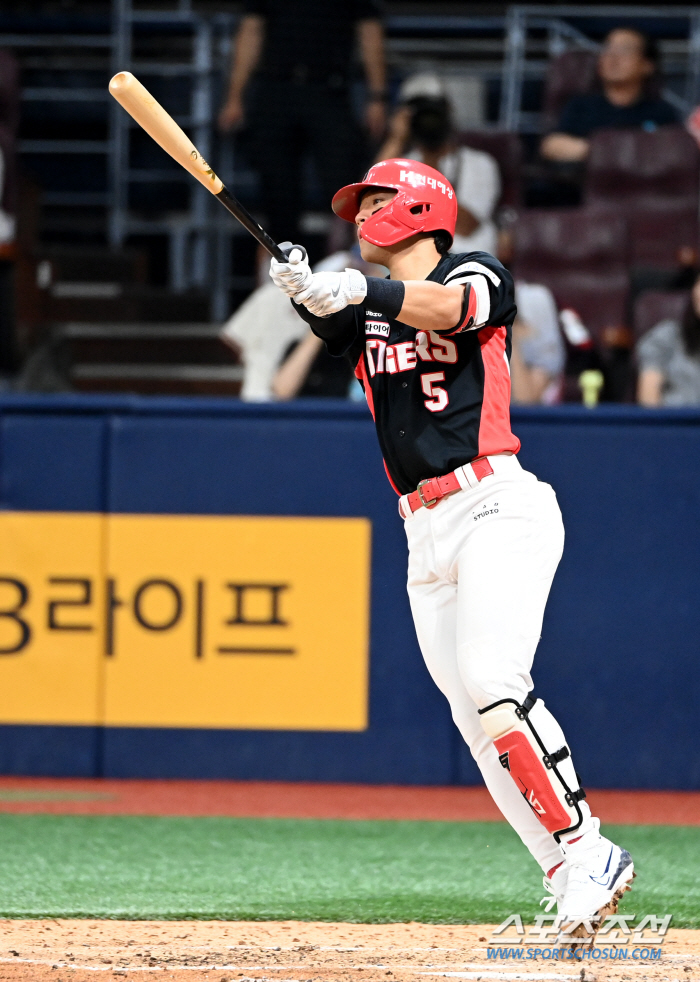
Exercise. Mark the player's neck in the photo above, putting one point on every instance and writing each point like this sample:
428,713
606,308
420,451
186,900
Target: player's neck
415,261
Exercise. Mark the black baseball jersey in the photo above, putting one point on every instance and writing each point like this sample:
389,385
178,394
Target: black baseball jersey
438,400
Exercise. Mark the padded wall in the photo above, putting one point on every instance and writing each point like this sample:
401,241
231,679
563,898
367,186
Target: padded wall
618,659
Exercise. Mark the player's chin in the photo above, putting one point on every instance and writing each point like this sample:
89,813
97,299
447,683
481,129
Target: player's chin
371,253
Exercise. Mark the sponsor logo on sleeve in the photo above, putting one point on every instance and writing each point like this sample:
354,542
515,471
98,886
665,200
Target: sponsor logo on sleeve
376,327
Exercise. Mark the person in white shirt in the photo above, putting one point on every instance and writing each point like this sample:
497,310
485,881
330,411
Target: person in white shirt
538,354
421,129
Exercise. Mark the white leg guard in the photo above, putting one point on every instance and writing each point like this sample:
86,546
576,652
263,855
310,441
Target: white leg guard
531,745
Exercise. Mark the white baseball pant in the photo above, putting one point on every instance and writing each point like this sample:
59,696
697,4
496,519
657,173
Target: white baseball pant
481,564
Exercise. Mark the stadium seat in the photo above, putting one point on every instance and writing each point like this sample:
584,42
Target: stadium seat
650,179
663,234
581,255
630,166
654,306
507,151
570,74
569,239
600,301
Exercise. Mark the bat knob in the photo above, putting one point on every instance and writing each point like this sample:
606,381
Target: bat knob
294,253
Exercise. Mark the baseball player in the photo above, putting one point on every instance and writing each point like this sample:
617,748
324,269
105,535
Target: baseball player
431,346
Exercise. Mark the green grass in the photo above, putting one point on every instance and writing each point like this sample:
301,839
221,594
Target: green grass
264,869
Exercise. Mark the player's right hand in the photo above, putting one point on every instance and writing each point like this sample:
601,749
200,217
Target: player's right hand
294,275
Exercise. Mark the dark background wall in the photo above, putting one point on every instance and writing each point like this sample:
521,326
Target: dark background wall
618,662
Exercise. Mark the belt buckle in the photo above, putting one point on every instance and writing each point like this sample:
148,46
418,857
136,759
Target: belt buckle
426,504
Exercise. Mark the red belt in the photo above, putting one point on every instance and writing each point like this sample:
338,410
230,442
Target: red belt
434,489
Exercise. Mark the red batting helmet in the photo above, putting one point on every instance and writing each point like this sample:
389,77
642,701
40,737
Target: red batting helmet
425,202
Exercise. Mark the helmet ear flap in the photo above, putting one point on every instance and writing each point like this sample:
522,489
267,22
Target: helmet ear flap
390,224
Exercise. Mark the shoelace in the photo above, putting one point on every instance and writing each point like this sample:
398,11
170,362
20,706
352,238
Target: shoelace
550,901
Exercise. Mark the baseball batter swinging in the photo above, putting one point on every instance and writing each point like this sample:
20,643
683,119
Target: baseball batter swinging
431,346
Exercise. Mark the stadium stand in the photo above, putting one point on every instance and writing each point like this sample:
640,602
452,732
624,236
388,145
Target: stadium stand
104,194
663,234
507,151
631,166
581,255
652,179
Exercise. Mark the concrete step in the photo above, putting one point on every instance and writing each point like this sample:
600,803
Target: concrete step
78,264
163,379
174,359
109,302
147,344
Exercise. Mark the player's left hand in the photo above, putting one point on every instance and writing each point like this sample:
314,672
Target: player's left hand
294,275
327,293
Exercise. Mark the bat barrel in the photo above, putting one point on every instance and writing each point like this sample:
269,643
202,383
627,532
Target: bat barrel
151,117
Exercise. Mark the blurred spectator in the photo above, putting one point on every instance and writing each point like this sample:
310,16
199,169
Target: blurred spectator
308,370
626,67
300,100
7,221
262,329
669,359
538,354
266,329
421,129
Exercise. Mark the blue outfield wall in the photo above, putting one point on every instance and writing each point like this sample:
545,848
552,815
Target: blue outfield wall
619,661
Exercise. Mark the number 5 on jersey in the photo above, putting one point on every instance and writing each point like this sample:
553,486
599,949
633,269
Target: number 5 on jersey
437,396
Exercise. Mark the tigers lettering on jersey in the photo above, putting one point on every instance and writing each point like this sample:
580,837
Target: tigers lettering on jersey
404,357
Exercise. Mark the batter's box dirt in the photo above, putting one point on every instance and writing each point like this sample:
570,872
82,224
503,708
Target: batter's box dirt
294,951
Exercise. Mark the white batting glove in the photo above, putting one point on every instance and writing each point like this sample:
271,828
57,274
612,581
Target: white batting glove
294,275
327,293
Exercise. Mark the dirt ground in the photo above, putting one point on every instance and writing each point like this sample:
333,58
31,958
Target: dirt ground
228,951
220,951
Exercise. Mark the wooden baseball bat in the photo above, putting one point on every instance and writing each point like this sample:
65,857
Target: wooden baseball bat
151,117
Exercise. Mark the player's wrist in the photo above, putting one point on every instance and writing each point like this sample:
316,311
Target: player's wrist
355,286
385,296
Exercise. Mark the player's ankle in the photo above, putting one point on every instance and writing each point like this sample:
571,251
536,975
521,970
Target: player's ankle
586,834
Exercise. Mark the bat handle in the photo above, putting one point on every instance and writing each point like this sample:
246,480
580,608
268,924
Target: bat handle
241,213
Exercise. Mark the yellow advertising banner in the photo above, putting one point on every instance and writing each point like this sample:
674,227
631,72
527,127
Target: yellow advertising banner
184,621
51,589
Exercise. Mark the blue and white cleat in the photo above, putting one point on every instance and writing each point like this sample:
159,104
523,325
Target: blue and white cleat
599,872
